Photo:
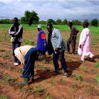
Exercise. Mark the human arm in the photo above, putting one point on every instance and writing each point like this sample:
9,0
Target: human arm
59,40
20,30
11,31
83,37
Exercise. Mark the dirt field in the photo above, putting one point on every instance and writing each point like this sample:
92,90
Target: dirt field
82,83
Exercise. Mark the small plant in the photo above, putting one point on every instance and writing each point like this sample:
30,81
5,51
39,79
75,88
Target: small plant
1,74
5,80
6,55
97,79
70,60
2,50
82,68
31,42
52,83
74,87
42,67
8,80
4,97
90,89
94,71
77,77
61,80
20,70
38,90
50,62
48,97
28,42
21,86
4,63
97,65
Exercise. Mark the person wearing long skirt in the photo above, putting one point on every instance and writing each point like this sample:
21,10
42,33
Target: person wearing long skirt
84,43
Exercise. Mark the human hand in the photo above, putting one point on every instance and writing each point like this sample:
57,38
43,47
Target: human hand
56,49
80,46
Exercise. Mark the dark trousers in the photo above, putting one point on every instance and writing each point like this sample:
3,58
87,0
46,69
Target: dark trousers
14,46
73,45
30,58
60,56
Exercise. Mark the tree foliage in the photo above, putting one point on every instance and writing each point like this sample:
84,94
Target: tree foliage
64,21
30,18
50,21
94,22
58,21
6,21
42,22
76,22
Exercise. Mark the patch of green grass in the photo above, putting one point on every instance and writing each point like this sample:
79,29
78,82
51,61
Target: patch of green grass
97,65
4,64
38,90
28,42
6,55
74,87
82,68
50,62
7,79
48,97
52,83
89,90
77,77
20,70
2,50
97,79
4,97
94,71
1,72
43,67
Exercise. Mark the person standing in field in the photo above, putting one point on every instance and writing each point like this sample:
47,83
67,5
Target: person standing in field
27,55
72,38
41,42
84,43
16,32
58,48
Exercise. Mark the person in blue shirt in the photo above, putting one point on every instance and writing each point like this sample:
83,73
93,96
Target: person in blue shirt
41,42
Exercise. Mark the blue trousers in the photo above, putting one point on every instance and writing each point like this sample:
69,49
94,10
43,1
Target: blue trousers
14,46
30,58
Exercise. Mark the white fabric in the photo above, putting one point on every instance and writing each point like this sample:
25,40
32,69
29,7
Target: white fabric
39,26
20,52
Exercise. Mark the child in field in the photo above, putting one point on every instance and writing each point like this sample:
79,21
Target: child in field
84,43
27,55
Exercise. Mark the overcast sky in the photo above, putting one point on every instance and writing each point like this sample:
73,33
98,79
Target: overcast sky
51,9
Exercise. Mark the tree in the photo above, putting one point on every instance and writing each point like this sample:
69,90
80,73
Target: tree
85,20
94,22
23,20
76,22
64,21
30,18
42,22
51,21
6,21
58,21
